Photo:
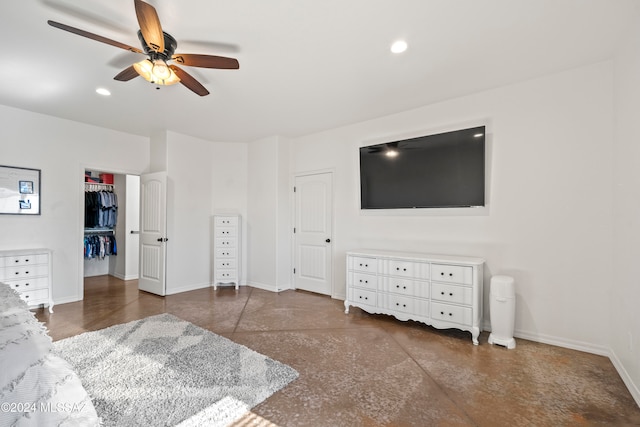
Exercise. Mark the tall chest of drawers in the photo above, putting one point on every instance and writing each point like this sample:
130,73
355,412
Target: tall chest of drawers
226,250
438,290
28,272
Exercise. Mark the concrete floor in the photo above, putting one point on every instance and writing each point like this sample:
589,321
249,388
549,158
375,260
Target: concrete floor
372,370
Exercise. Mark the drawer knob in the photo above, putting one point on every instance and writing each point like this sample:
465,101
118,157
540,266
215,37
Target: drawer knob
442,293
450,294
17,261
442,312
17,286
450,274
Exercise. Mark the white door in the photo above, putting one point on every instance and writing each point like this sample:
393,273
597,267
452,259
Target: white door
153,232
313,232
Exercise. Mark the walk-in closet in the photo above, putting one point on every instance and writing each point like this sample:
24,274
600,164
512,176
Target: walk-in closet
111,218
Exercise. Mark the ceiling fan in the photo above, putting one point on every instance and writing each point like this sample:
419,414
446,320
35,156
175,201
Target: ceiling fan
159,47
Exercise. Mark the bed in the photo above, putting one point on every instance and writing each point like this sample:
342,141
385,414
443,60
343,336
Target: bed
37,388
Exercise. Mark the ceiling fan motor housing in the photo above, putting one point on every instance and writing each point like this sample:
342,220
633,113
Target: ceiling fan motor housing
170,45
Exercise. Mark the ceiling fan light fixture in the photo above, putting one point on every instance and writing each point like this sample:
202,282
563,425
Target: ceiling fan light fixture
146,69
160,69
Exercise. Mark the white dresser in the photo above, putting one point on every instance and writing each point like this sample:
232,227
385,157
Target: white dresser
28,271
439,290
226,251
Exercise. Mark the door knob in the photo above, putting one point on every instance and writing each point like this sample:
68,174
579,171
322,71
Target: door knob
328,240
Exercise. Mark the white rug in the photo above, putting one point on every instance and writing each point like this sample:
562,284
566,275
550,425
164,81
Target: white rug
164,371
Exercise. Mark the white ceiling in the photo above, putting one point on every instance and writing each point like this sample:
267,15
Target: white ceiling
305,65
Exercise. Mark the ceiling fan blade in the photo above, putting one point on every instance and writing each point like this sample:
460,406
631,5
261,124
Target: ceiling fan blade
93,36
126,74
191,83
206,61
150,25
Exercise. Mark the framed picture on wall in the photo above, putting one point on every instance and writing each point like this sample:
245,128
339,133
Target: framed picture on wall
19,191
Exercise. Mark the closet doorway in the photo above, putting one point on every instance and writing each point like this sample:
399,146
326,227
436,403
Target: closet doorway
112,217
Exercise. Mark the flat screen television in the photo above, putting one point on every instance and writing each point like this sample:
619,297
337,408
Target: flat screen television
445,170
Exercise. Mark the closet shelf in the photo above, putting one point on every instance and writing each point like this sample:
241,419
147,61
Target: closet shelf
94,186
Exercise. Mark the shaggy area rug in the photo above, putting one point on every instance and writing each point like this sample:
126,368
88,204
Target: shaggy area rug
164,371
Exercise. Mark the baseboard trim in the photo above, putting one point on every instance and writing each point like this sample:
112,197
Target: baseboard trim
124,277
187,288
563,342
265,287
66,300
626,378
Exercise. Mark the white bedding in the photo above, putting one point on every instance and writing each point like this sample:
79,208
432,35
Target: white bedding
36,387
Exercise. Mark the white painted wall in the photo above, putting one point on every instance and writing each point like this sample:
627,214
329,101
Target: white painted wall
262,208
62,149
269,228
201,177
624,334
188,211
229,181
550,205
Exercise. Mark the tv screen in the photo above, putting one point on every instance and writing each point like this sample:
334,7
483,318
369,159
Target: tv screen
445,170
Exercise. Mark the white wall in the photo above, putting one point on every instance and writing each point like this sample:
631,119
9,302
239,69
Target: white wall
188,212
229,181
549,215
269,214
262,205
61,149
202,177
625,286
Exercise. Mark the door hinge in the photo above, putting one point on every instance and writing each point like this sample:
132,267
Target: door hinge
294,230
294,271
294,189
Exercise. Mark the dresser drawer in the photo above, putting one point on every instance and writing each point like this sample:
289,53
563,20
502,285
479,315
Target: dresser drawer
226,275
35,297
451,313
226,263
226,232
22,260
400,303
362,280
401,268
25,271
222,221
22,285
452,273
369,265
451,293
398,285
224,242
363,296
226,253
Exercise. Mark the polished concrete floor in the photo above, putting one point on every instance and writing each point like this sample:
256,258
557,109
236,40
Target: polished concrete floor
371,370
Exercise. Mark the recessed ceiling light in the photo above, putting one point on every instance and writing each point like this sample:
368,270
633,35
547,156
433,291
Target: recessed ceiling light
391,153
478,135
102,91
399,46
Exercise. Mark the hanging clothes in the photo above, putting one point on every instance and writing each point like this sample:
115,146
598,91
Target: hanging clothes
100,209
99,246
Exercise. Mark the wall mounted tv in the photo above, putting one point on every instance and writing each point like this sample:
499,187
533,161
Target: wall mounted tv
445,170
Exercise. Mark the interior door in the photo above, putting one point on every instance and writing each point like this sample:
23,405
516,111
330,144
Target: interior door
153,233
313,232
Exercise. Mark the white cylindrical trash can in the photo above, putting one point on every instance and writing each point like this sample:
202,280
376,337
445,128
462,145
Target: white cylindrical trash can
502,306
